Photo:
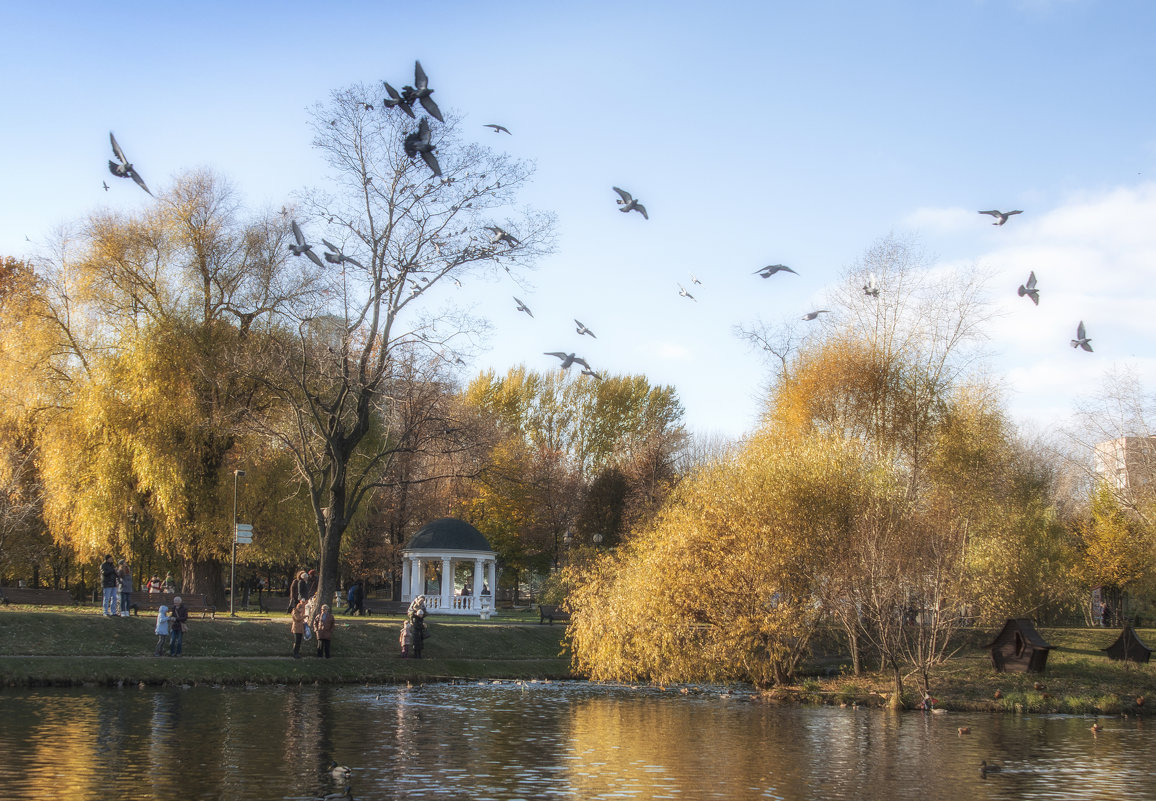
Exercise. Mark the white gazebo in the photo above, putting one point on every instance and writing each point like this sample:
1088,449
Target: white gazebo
444,545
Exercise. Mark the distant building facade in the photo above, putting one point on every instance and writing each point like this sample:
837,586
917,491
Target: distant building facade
1126,464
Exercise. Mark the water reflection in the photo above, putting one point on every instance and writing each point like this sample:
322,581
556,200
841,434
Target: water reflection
541,740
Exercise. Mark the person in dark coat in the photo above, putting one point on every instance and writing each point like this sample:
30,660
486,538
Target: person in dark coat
323,624
108,584
298,590
179,623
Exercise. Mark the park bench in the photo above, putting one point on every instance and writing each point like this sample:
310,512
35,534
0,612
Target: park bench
551,612
36,597
385,607
154,600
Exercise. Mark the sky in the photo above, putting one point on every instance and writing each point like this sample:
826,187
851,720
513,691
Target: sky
755,133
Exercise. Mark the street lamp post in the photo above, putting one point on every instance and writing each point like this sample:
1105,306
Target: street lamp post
233,570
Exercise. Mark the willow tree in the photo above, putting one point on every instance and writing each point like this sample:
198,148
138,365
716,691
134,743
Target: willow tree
401,234
156,312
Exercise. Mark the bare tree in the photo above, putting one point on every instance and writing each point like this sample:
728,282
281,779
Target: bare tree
394,232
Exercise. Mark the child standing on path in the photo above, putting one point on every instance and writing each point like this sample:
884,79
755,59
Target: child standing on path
323,625
297,627
162,630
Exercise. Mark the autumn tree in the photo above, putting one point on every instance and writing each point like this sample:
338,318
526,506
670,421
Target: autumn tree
155,313
400,234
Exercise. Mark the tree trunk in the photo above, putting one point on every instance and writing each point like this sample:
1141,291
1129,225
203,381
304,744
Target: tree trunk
204,577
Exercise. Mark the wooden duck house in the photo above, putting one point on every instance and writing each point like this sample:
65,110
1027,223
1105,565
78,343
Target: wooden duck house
1019,648
1128,647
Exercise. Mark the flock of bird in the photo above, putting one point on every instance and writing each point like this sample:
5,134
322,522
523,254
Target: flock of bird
419,144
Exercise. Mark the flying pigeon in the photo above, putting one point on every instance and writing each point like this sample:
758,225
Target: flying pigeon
418,142
395,100
105,185
1001,216
497,128
628,203
872,286
301,248
1081,340
814,314
124,169
523,307
568,359
771,269
682,293
421,92
583,329
1029,288
695,280
497,236
336,256
592,374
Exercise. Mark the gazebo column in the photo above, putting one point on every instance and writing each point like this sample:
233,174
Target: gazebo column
416,576
492,564
447,583
478,564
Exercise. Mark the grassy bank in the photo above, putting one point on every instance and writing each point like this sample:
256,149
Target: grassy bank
1080,679
55,646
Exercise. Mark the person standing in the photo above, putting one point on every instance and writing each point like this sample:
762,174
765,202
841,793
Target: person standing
419,632
298,590
162,630
108,585
323,626
170,584
297,627
124,583
178,624
351,599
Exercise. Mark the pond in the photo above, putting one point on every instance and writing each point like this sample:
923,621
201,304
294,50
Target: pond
542,740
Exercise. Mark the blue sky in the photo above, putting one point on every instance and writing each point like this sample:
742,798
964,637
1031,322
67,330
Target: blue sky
755,133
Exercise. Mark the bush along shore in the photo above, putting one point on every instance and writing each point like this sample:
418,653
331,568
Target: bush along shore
1079,679
50,646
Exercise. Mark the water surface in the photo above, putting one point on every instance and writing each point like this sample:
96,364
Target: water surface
548,740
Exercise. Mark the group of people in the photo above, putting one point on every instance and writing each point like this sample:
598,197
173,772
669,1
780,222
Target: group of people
116,583
413,630
308,618
171,627
155,584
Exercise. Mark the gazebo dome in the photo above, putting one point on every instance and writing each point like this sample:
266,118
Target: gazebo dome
448,534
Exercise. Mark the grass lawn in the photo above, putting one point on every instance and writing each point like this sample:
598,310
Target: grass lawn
54,645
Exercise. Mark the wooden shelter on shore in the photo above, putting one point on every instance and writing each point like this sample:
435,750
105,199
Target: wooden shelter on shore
1128,647
1019,648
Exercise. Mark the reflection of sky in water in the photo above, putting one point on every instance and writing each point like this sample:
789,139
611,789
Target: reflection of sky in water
541,740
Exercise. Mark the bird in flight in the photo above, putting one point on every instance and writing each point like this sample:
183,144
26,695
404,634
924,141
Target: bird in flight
336,256
569,359
872,286
419,142
105,185
1029,288
498,235
628,203
771,269
583,329
497,128
682,293
1082,340
302,248
523,307
421,92
592,374
694,279
1001,216
124,168
395,100
815,314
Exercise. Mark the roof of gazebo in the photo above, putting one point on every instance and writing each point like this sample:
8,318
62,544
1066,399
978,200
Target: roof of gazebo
448,534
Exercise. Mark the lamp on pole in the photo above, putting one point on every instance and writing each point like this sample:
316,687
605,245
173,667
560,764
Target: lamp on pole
233,570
